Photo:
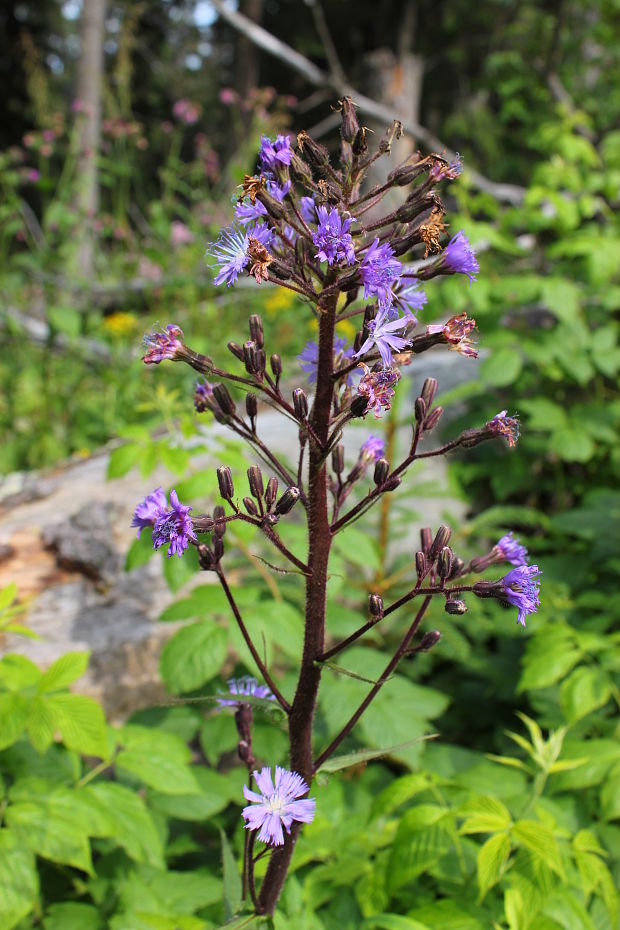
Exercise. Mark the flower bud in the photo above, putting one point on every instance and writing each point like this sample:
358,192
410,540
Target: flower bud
429,389
420,409
455,606
432,419
382,470
441,539
206,558
338,459
276,366
236,350
251,407
274,208
219,518
225,482
457,567
256,330
300,404
375,606
271,492
430,639
218,548
250,506
407,171
260,361
225,401
255,481
316,153
392,483
287,501
444,562
420,563
300,168
359,406
360,142
350,124
249,356
426,539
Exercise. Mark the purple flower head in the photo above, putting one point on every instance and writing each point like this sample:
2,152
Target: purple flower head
377,387
459,256
231,254
160,346
307,208
173,527
508,427
277,805
383,337
372,449
447,171
273,155
456,333
309,358
332,237
511,550
278,191
244,687
248,212
203,391
521,588
379,269
410,298
148,511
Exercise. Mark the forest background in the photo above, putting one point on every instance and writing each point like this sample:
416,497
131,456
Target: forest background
122,134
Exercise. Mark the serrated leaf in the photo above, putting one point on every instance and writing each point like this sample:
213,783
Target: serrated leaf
49,835
491,862
484,814
539,839
17,672
40,724
14,709
134,829
193,656
64,671
158,771
338,763
81,723
19,880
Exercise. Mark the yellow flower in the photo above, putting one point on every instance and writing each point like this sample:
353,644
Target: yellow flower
279,299
120,323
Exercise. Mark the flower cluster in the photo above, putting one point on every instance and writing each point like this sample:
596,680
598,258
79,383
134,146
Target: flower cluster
521,589
240,688
171,526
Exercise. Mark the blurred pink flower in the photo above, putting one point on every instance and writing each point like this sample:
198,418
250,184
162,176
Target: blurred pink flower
180,234
49,135
187,111
149,270
228,96
46,150
33,175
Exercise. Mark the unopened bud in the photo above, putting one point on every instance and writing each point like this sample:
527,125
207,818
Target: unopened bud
359,406
312,150
276,366
444,562
430,639
375,606
218,548
426,539
420,564
338,459
287,501
274,208
236,350
225,482
300,404
429,389
420,409
392,483
206,558
382,470
358,342
219,520
256,330
457,567
407,171
360,143
250,506
301,168
255,481
249,356
455,606
441,539
350,124
432,419
251,407
225,401
271,492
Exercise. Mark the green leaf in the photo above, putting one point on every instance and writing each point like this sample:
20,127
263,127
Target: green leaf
64,671
72,916
424,835
140,551
232,880
81,724
212,796
337,763
491,862
502,367
49,834
572,445
393,922
14,711
134,829
158,771
123,459
561,296
40,724
584,690
485,814
539,839
65,320
19,880
193,656
17,672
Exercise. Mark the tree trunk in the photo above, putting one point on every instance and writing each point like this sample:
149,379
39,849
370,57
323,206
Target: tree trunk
247,59
89,94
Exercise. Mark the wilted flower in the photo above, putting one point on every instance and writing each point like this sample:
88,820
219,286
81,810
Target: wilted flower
332,238
447,171
503,425
247,686
459,256
456,332
277,805
232,251
166,345
377,387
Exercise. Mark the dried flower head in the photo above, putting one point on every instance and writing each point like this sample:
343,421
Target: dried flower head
503,425
377,387
166,345
432,229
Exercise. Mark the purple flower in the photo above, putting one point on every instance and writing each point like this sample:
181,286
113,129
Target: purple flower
245,687
521,588
378,271
173,527
459,256
332,237
511,550
377,387
410,298
456,332
248,212
372,449
147,512
309,358
447,171
203,391
160,346
273,155
383,337
508,427
231,253
277,805
307,208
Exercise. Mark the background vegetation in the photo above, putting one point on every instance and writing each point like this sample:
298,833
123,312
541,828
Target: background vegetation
480,827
